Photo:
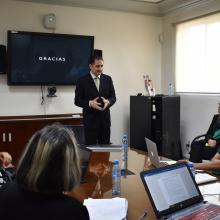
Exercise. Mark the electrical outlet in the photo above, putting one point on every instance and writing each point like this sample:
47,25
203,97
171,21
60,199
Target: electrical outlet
188,146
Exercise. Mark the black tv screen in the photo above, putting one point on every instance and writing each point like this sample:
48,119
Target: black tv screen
47,58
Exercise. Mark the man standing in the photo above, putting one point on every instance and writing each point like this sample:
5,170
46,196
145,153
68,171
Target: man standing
95,93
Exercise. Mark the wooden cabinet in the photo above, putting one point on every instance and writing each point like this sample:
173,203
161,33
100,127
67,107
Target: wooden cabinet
15,131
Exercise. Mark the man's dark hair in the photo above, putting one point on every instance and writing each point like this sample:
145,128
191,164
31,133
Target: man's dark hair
94,58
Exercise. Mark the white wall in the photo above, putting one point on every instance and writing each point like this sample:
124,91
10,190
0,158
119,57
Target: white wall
129,43
196,110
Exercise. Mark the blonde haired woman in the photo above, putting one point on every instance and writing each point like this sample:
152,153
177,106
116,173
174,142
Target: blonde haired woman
48,168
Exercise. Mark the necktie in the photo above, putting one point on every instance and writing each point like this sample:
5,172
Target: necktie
96,80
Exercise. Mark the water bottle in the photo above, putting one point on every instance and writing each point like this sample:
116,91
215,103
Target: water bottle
124,152
192,169
170,89
116,179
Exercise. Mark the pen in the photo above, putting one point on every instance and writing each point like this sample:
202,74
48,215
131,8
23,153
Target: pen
143,215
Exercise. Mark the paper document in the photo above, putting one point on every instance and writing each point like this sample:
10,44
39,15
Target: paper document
202,178
210,189
107,209
169,162
173,189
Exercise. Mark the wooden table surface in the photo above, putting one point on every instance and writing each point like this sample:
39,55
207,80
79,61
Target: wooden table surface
99,183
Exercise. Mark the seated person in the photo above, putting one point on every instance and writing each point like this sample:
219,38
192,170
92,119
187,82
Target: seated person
7,171
207,148
213,165
5,160
47,170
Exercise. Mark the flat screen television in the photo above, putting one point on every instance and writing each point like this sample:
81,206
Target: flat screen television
47,58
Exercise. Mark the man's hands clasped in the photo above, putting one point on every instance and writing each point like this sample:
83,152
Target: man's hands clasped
97,105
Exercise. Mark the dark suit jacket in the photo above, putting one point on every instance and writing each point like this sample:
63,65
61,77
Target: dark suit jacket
86,91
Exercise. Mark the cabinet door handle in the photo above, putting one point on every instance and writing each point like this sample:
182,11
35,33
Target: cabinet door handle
9,137
3,137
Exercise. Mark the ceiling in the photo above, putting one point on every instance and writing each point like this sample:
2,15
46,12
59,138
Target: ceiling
149,7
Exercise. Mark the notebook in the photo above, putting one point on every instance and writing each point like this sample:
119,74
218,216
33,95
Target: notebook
203,178
153,154
174,194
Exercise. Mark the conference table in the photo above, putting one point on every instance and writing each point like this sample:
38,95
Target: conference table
98,182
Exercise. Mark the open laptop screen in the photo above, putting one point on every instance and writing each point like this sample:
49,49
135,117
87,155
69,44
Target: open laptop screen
171,188
85,155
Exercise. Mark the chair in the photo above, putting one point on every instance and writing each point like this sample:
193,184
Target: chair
198,138
201,152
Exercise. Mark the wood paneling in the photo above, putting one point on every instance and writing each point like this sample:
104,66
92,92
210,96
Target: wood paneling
15,131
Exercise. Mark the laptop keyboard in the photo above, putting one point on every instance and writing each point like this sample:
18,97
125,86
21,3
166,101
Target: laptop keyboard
200,213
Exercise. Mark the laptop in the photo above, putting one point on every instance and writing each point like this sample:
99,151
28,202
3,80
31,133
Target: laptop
85,156
201,178
80,138
153,154
174,194
104,148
